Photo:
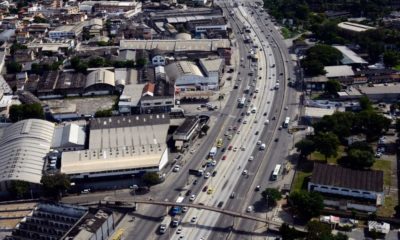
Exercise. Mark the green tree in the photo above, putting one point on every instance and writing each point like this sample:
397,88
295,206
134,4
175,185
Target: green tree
26,111
289,233
55,185
306,204
372,124
340,123
365,103
271,196
96,62
19,188
317,230
38,19
13,67
151,178
390,58
103,113
332,87
313,67
360,159
326,54
327,144
141,62
305,147
363,146
16,46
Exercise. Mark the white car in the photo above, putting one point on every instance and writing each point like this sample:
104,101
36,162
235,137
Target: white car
243,148
213,163
178,231
235,149
251,158
244,172
185,209
192,151
192,198
194,219
207,175
250,208
258,142
176,168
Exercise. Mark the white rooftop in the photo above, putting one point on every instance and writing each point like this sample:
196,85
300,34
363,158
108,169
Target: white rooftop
338,71
350,57
318,112
354,27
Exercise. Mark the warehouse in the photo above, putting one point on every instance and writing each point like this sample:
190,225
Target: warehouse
120,146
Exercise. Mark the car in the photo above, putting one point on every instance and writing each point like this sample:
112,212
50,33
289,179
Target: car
280,128
234,128
232,195
195,182
207,175
229,138
220,204
176,168
378,154
192,151
245,122
273,118
86,191
243,148
244,172
276,140
205,188
210,191
242,114
192,198
235,149
213,163
223,157
185,209
223,149
286,108
194,219
214,173
239,120
230,147
188,192
249,209
178,231
257,188
258,142
265,114
257,132
251,158
226,133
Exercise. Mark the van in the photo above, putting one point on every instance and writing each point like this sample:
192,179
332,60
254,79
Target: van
262,147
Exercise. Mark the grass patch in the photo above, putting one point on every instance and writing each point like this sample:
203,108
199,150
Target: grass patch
286,33
397,67
386,167
300,180
387,210
317,156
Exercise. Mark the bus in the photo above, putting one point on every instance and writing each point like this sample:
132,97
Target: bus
286,122
276,172
241,102
219,143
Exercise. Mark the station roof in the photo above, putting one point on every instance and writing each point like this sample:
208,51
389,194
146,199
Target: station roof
176,45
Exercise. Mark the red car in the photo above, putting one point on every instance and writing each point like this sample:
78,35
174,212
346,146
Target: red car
205,188
224,157
230,147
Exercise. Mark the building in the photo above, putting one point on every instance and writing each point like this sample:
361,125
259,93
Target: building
350,57
314,114
187,76
209,24
213,68
23,148
120,146
384,93
69,137
193,45
49,221
346,188
186,132
342,73
67,31
110,7
100,82
354,28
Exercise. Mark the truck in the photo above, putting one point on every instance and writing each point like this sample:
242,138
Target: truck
241,102
177,210
213,152
286,122
196,172
164,224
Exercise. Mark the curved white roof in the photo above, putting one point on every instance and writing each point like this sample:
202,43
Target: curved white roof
183,36
23,147
100,76
177,69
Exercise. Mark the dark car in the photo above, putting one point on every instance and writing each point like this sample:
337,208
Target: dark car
205,188
232,195
220,204
276,139
195,182
265,114
188,192
242,114
257,133
223,149
214,173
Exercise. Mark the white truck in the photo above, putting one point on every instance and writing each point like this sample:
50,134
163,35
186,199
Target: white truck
213,152
164,224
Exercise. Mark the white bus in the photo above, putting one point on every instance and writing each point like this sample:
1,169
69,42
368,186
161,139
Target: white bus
286,123
276,172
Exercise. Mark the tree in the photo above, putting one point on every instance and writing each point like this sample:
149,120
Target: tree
332,87
141,62
289,233
13,67
55,184
326,54
96,62
26,111
364,146
390,58
327,144
38,19
365,103
151,178
103,113
370,123
317,230
19,188
271,196
305,147
360,159
306,204
313,67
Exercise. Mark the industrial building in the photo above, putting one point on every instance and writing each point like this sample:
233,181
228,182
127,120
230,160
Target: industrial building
120,146
187,131
383,92
23,148
69,137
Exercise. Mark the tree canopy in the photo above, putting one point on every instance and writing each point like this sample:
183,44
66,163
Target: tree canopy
26,111
319,56
327,144
13,67
332,87
306,204
151,178
305,146
271,196
55,184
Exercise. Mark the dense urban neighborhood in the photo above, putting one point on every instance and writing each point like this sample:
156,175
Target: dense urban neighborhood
199,119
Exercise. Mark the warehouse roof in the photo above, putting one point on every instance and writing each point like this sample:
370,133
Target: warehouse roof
69,135
349,57
23,147
176,45
178,69
381,89
211,64
338,176
100,76
354,27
